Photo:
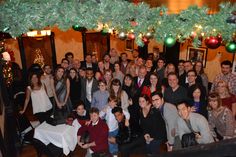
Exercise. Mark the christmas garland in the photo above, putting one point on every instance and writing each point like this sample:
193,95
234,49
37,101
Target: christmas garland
19,16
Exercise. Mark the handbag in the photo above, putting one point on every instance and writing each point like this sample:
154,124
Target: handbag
189,139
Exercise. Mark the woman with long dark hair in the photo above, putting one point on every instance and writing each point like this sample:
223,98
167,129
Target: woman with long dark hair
61,91
40,101
75,87
152,124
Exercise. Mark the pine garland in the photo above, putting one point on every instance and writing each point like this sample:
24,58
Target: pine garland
19,16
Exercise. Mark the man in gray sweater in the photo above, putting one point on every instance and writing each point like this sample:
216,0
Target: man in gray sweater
170,115
198,123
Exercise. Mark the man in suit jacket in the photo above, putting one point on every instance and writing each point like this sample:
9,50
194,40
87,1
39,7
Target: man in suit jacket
140,81
88,63
88,86
170,115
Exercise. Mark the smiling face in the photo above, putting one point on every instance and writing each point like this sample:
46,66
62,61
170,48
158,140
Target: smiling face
128,81
225,69
89,74
119,116
94,117
191,76
197,93
60,73
80,110
72,73
143,102
213,103
173,81
102,86
184,111
157,101
153,80
34,79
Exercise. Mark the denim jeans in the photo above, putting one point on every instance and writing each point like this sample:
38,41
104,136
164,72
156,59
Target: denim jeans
113,148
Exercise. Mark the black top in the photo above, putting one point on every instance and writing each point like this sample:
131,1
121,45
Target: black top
75,90
154,125
174,97
124,134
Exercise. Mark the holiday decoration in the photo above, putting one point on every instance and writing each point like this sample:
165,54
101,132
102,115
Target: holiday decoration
169,41
5,58
149,35
213,42
131,36
122,35
76,27
17,19
39,59
230,47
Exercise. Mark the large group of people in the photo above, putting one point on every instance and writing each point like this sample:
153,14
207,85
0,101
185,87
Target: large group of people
138,104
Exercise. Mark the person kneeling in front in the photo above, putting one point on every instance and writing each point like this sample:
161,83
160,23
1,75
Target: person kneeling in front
98,135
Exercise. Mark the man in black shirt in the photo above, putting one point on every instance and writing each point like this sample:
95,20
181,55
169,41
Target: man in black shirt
174,93
128,140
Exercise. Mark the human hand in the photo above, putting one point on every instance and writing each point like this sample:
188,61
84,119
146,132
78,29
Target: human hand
130,101
80,144
197,136
85,146
22,112
193,109
169,147
87,122
112,140
127,122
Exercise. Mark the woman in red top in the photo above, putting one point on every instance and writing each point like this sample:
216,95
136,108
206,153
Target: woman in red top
153,87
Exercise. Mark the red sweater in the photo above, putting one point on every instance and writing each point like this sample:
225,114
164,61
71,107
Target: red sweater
99,134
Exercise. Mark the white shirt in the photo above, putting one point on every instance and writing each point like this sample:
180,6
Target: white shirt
110,118
89,90
40,100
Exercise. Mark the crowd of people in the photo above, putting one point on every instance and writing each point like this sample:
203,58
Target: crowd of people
127,106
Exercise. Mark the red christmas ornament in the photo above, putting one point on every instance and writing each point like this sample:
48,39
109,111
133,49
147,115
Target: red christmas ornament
131,36
213,42
133,23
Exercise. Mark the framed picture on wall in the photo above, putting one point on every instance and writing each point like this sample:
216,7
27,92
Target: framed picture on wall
129,45
234,64
96,43
197,54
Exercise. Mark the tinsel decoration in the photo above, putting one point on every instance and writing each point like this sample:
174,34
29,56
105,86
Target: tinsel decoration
230,47
18,16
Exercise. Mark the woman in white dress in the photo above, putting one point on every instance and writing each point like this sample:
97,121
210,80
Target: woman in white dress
41,104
